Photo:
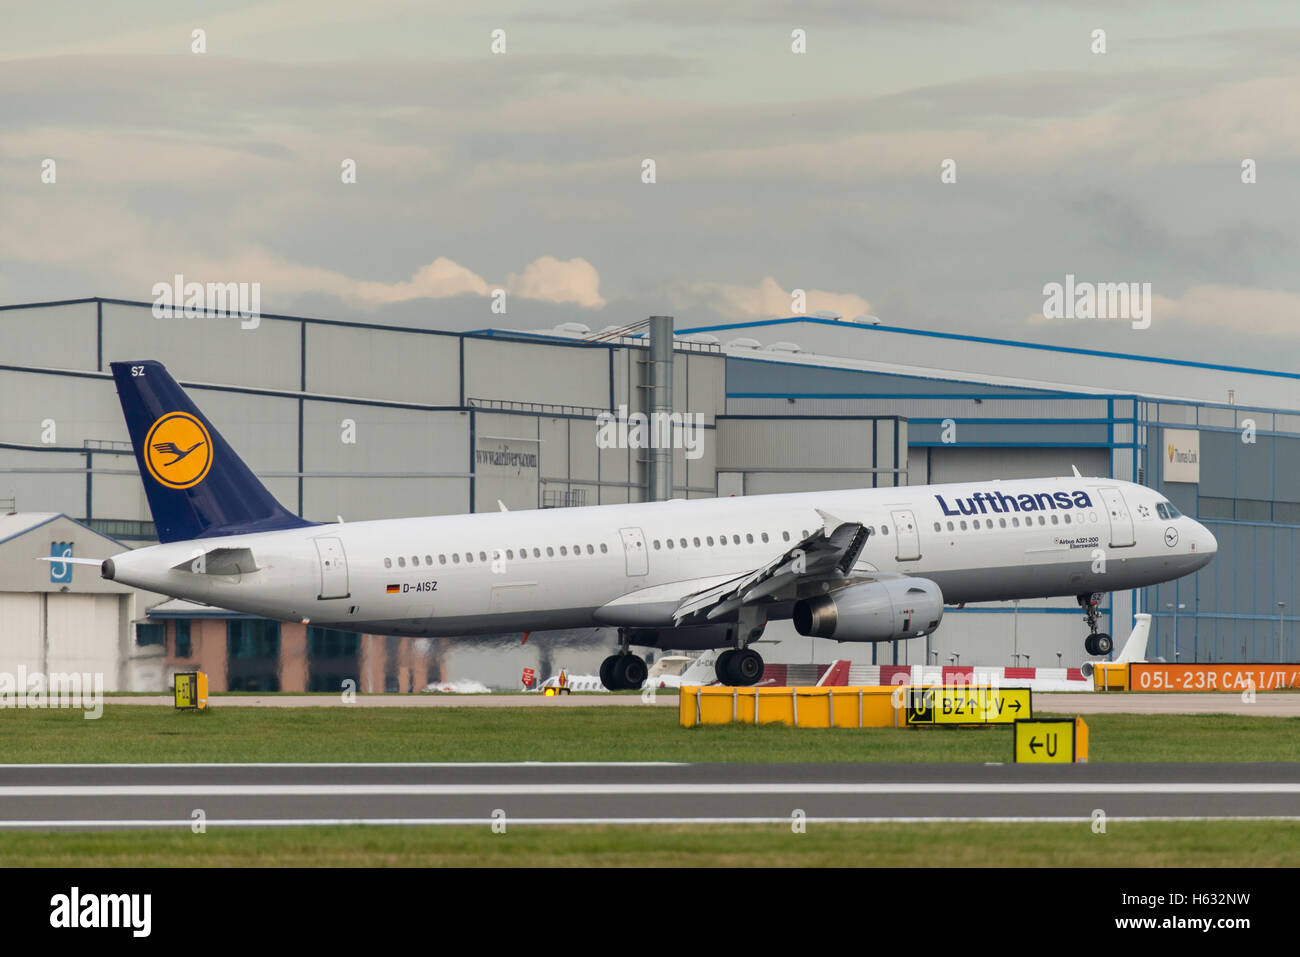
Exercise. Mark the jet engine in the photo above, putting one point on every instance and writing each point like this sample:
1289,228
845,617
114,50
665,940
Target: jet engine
891,609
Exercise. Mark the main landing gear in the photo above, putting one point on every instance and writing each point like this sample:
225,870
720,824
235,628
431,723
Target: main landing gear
739,667
1097,643
623,671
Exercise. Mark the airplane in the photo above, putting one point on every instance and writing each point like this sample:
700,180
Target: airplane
857,565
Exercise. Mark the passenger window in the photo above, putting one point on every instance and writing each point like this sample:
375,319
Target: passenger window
938,527
765,538
804,533
722,539
683,543
1054,519
564,550
963,524
590,550
401,562
442,559
1015,521
884,529
1041,520
603,548
656,544
469,557
428,559
388,563
550,551
455,558
749,539
696,540
709,539
785,536
950,528
510,554
415,560
670,543
1002,522
975,523
537,553
1066,518
735,539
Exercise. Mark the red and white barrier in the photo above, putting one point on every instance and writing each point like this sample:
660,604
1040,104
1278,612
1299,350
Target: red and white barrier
844,673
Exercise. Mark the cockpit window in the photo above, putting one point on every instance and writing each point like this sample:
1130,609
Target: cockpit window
1161,511
1173,512
1167,510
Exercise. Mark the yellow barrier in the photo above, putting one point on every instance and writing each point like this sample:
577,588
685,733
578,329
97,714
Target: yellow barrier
868,706
1108,676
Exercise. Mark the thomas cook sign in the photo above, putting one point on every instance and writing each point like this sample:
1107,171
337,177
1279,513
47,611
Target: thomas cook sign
1182,455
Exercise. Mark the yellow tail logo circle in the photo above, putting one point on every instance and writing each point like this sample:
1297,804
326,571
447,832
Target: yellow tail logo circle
178,450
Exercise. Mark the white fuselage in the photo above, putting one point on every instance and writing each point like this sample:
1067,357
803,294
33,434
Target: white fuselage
556,568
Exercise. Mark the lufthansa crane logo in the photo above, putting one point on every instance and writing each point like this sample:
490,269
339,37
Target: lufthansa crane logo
178,450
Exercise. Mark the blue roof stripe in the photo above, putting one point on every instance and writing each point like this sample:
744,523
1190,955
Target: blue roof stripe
957,337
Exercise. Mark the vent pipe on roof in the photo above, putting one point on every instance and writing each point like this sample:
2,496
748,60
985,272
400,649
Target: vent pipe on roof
660,460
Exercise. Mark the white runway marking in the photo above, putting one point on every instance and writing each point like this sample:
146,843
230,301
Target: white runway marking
581,788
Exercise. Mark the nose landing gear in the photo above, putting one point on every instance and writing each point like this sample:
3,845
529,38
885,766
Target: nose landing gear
1097,643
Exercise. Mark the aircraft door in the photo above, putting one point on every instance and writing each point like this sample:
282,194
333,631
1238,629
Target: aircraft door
1121,520
333,568
906,535
638,559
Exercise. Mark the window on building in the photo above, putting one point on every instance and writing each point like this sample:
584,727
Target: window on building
184,649
150,634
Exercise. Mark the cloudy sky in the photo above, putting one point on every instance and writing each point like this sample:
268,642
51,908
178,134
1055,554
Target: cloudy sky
774,170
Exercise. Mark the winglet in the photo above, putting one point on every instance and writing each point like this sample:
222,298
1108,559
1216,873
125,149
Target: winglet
502,505
1075,470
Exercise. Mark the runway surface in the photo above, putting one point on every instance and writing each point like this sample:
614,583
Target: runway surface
115,796
1271,704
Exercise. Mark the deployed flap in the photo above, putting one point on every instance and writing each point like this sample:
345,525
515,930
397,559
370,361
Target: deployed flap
648,607
828,554
220,561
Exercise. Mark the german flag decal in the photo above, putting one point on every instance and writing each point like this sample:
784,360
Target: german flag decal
394,589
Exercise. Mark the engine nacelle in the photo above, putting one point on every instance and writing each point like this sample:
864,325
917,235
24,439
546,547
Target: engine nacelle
888,610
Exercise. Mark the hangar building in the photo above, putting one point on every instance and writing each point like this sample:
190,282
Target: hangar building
367,421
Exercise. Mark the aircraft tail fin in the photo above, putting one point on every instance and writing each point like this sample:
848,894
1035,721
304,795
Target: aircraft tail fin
1135,649
196,485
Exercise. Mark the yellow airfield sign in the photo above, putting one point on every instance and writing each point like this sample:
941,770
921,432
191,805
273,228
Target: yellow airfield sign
966,705
1051,741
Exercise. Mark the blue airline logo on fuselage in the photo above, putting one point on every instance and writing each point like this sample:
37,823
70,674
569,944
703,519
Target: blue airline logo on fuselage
981,503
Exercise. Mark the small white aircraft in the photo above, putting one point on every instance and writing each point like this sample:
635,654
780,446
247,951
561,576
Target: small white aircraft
848,565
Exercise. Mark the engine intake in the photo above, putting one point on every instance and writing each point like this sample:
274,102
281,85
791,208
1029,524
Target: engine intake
889,610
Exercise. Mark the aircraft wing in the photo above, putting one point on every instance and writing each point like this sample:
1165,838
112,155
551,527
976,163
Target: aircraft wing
827,555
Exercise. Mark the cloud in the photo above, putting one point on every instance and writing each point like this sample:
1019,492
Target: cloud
441,279
1275,311
552,280
767,299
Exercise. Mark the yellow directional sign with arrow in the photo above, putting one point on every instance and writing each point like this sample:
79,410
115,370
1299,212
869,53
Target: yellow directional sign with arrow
966,704
1051,741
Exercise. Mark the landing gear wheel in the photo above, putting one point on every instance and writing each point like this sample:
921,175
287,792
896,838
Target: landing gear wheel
609,672
632,671
722,667
1102,643
746,667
